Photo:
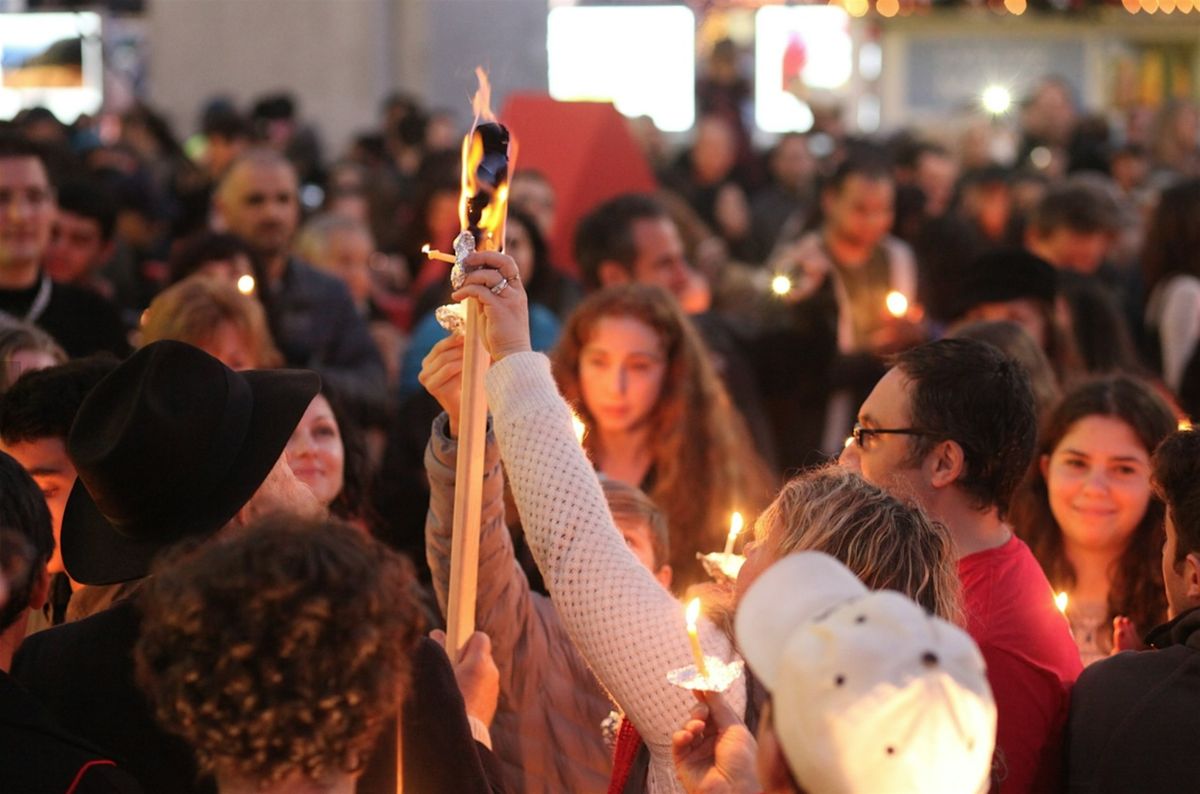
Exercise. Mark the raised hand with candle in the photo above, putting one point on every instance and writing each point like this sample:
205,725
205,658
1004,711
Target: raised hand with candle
496,284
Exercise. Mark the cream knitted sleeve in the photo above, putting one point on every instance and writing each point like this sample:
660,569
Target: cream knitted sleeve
630,630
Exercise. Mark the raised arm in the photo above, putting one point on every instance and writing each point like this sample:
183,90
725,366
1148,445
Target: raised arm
624,623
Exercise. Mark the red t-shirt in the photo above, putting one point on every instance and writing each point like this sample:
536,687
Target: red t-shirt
1032,661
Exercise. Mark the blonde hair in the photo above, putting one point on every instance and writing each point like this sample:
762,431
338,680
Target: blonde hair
888,544
192,311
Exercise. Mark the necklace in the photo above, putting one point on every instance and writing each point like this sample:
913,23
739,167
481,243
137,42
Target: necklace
40,302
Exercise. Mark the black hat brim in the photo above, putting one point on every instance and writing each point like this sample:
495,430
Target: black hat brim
95,553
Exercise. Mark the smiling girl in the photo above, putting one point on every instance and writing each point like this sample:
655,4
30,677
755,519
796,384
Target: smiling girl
1088,512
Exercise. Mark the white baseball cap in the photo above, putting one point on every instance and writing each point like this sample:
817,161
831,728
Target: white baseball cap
870,694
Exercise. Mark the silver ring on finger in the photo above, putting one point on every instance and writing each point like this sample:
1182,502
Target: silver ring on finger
500,286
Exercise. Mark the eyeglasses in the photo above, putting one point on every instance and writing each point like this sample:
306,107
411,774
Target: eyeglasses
860,434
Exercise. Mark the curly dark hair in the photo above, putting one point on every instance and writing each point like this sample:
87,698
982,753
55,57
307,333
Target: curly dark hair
970,393
280,651
1177,482
1136,586
26,519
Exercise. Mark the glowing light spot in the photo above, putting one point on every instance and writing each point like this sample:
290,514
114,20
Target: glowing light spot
996,99
245,285
781,285
888,8
1041,157
897,304
1060,601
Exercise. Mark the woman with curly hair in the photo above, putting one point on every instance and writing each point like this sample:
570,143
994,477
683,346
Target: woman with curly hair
280,654
658,417
1089,514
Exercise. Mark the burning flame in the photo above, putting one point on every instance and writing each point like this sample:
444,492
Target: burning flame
692,614
1185,424
897,304
736,523
491,222
1060,601
579,427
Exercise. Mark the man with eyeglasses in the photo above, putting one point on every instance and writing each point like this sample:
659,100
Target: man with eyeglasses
952,425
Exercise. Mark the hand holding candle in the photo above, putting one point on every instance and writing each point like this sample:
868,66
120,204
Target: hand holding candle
708,674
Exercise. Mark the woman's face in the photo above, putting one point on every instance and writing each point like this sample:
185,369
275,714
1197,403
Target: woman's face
518,246
231,346
621,370
1098,478
315,451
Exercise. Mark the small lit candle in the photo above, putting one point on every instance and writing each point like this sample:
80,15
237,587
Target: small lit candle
735,528
245,285
438,255
1060,601
781,285
693,615
897,304
579,426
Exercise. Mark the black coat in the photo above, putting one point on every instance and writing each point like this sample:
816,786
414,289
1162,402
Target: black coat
83,673
1135,717
39,757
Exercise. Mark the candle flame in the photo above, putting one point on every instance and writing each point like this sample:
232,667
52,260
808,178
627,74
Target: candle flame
781,285
1185,424
579,426
897,304
433,253
245,285
736,522
1060,601
692,615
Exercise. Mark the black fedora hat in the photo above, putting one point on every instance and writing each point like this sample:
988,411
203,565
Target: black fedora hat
171,445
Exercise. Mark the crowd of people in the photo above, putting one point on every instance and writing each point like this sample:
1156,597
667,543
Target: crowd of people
950,395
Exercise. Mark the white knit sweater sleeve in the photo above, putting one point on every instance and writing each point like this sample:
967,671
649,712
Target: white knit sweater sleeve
630,629
1179,328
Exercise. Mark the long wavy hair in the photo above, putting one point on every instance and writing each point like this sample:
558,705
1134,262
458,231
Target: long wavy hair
1135,585
704,464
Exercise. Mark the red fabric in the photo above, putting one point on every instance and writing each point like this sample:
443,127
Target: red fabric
83,770
624,754
1031,658
586,152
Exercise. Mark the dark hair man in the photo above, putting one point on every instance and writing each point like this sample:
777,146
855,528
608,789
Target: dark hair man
39,756
81,321
1135,717
1073,226
82,240
952,425
313,317
35,419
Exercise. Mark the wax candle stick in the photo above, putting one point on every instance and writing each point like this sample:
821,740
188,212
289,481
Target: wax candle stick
693,615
